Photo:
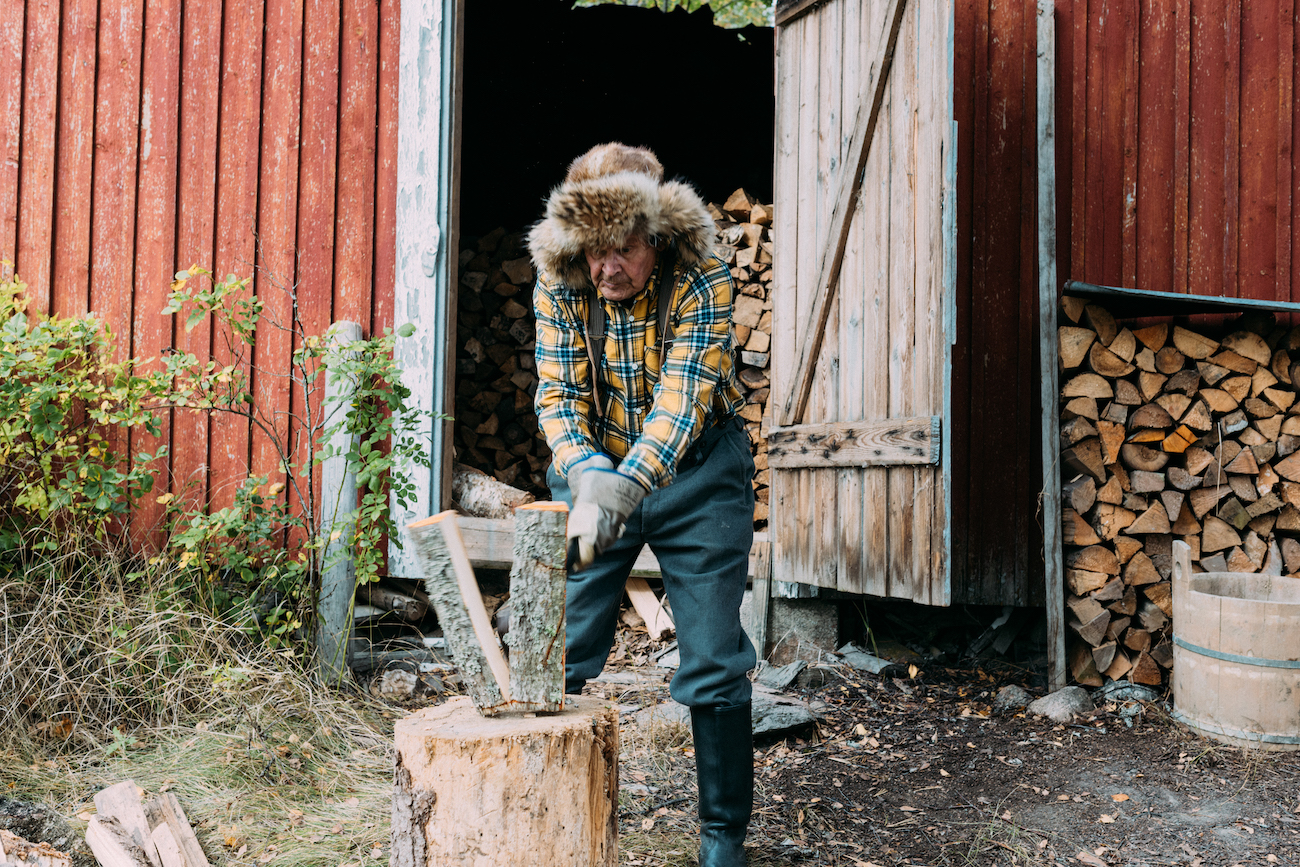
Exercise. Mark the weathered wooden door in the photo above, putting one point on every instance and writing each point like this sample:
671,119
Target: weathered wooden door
863,304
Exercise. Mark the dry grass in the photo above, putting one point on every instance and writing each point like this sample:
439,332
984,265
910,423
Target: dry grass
115,678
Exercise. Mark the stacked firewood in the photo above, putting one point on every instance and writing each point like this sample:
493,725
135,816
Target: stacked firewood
495,427
1169,432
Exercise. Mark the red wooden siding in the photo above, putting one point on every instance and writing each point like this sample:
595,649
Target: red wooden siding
1180,175
141,137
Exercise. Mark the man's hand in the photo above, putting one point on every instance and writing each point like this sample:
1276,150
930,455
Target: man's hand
602,503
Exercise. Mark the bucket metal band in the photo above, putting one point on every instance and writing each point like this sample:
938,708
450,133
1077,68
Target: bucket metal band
1233,657
1210,728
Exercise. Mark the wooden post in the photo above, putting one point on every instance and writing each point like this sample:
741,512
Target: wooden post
338,498
529,791
537,586
762,599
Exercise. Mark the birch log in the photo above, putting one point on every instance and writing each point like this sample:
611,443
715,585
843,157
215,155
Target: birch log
537,584
532,791
453,590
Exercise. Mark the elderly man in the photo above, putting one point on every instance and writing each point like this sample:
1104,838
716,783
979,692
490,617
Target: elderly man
637,399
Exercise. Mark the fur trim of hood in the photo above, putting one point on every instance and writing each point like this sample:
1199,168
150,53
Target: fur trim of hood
595,209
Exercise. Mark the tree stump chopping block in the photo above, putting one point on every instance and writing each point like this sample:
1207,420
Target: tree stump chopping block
528,791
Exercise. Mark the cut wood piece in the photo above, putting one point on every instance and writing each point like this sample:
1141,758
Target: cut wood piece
1215,563
1193,345
1184,382
1153,337
1088,385
1256,549
1287,445
1173,501
410,604
1121,475
1234,422
1239,562
1099,320
1232,511
1119,666
1264,454
1288,519
1150,384
1126,547
1080,493
1251,437
114,846
1243,463
1084,457
1140,570
1126,605
1289,468
1094,631
1151,415
1112,440
1113,589
1106,363
538,582
1150,615
164,812
1116,413
1080,407
1075,530
1290,555
1136,502
1263,525
1126,393
121,801
658,623
1269,428
1186,524
1161,595
1124,346
1256,408
1147,437
1075,430
1075,343
1072,306
1211,373
1110,520
1163,654
1196,460
1193,543
1291,426
1117,627
1280,398
1137,456
1280,365
1096,558
449,580
1104,654
1249,345
482,496
16,851
1290,493
1234,362
1082,668
535,790
1181,479
1218,535
1237,386
1197,417
1145,360
1178,441
1111,492
1085,608
1218,400
1081,582
1146,483
1203,500
1174,404
1169,360
1137,638
1262,380
1244,488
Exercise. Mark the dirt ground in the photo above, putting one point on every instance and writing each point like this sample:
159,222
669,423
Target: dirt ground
918,771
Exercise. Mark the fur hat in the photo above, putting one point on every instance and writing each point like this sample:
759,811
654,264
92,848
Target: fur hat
609,194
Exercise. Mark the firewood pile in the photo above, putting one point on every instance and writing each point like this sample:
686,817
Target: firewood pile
1170,432
496,429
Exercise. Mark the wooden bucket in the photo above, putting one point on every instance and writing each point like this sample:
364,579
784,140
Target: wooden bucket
1236,674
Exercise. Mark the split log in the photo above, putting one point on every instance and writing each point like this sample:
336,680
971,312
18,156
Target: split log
172,834
482,496
537,588
16,851
530,791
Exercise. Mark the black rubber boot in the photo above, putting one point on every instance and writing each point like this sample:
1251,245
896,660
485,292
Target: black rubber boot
724,766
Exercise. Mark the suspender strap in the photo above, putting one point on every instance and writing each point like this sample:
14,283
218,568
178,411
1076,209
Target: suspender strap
596,320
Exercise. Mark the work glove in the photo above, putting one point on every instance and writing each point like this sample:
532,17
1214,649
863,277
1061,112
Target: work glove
602,503
591,462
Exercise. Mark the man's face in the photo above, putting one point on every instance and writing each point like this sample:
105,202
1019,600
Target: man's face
620,273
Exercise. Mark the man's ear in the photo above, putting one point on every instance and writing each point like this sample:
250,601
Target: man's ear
658,243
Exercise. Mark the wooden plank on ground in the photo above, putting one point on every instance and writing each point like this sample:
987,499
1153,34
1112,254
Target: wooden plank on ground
121,802
164,812
657,621
453,590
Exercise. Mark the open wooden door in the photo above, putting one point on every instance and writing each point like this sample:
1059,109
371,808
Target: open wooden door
863,320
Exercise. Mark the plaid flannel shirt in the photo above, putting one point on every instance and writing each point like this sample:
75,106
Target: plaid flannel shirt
650,421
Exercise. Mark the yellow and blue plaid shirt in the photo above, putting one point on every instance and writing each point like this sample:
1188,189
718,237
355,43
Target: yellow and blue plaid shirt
649,420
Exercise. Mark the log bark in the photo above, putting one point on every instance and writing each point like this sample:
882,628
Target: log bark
524,791
537,585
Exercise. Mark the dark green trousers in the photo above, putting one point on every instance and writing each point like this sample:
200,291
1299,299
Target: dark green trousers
701,528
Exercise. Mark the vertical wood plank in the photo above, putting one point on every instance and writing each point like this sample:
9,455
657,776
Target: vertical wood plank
36,173
1182,144
1285,121
386,171
1257,176
808,239
1207,216
784,508
1106,247
1078,172
277,206
117,128
355,219
1129,230
236,248
1231,144
70,275
959,419
200,68
12,26
155,244
1017,562
1155,200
